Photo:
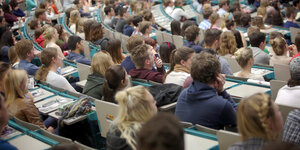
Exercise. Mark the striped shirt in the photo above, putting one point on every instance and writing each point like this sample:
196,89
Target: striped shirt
205,24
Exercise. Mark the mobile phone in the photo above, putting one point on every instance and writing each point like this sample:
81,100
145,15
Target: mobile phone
157,56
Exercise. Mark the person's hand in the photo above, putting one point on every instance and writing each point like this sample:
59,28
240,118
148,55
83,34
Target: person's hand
158,62
50,129
37,53
220,83
292,50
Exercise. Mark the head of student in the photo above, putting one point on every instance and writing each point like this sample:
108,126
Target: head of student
15,85
258,39
134,41
290,12
109,10
96,31
87,29
258,116
100,62
136,106
116,80
223,4
279,46
212,38
40,14
75,43
175,27
49,58
162,132
181,57
114,49
227,44
192,33
244,57
50,34
143,56
25,50
165,50
145,27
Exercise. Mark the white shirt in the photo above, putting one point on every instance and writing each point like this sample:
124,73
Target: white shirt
289,96
252,76
169,10
59,81
73,28
178,13
221,12
177,77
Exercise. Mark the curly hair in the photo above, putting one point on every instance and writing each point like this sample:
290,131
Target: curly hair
227,44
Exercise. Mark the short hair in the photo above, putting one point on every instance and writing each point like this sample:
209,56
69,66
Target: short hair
205,68
256,38
186,24
177,3
278,45
137,19
143,26
168,135
243,55
211,35
122,11
139,55
237,17
107,9
147,15
252,29
290,11
207,13
297,42
33,24
39,12
23,47
72,42
222,3
134,41
191,33
229,24
245,19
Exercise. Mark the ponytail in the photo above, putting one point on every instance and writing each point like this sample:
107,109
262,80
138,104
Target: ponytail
46,60
172,64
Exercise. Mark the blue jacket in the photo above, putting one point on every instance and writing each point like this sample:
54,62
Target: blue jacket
194,46
128,64
78,58
127,30
18,13
7,146
200,104
289,24
29,67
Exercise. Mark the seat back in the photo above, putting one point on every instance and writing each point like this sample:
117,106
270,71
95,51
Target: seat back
83,147
60,139
282,72
235,67
83,71
206,129
159,37
167,37
106,112
227,138
27,125
275,86
294,31
201,35
186,124
285,110
178,41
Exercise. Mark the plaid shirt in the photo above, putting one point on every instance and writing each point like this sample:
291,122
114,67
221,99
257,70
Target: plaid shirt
291,132
249,144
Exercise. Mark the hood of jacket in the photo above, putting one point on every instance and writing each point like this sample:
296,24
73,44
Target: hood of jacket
200,91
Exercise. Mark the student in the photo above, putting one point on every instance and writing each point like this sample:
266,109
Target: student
259,22
19,101
259,122
212,43
178,13
8,14
40,15
154,137
288,94
4,68
223,6
132,42
291,132
192,38
245,20
169,6
165,50
143,57
291,14
100,62
280,48
136,106
63,37
185,25
73,20
175,28
205,24
15,9
96,35
129,26
239,38
145,29
3,125
109,14
48,71
244,57
227,44
7,40
26,53
121,22
87,29
33,25
214,21
258,43
115,51
180,65
51,36
237,17
116,80
75,44
116,18
197,103
276,18
82,7
13,57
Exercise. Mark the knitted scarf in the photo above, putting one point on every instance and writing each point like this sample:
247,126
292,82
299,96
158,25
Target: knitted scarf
181,68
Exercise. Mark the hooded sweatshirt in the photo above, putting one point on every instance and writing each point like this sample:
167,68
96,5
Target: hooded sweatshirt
146,74
93,86
200,104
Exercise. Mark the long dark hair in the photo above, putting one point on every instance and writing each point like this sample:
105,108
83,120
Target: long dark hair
238,39
175,27
114,49
293,82
113,75
165,50
7,39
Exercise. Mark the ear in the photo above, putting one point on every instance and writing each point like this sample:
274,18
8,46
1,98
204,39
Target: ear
182,62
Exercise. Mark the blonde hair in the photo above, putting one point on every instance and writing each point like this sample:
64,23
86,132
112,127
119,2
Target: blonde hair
213,18
279,45
74,17
262,11
252,116
133,111
12,85
48,34
227,44
259,22
101,61
80,25
243,55
46,59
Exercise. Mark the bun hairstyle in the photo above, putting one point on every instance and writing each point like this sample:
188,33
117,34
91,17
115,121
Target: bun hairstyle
243,55
279,45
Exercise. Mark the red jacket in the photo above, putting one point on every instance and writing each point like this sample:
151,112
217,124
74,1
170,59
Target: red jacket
156,76
40,40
